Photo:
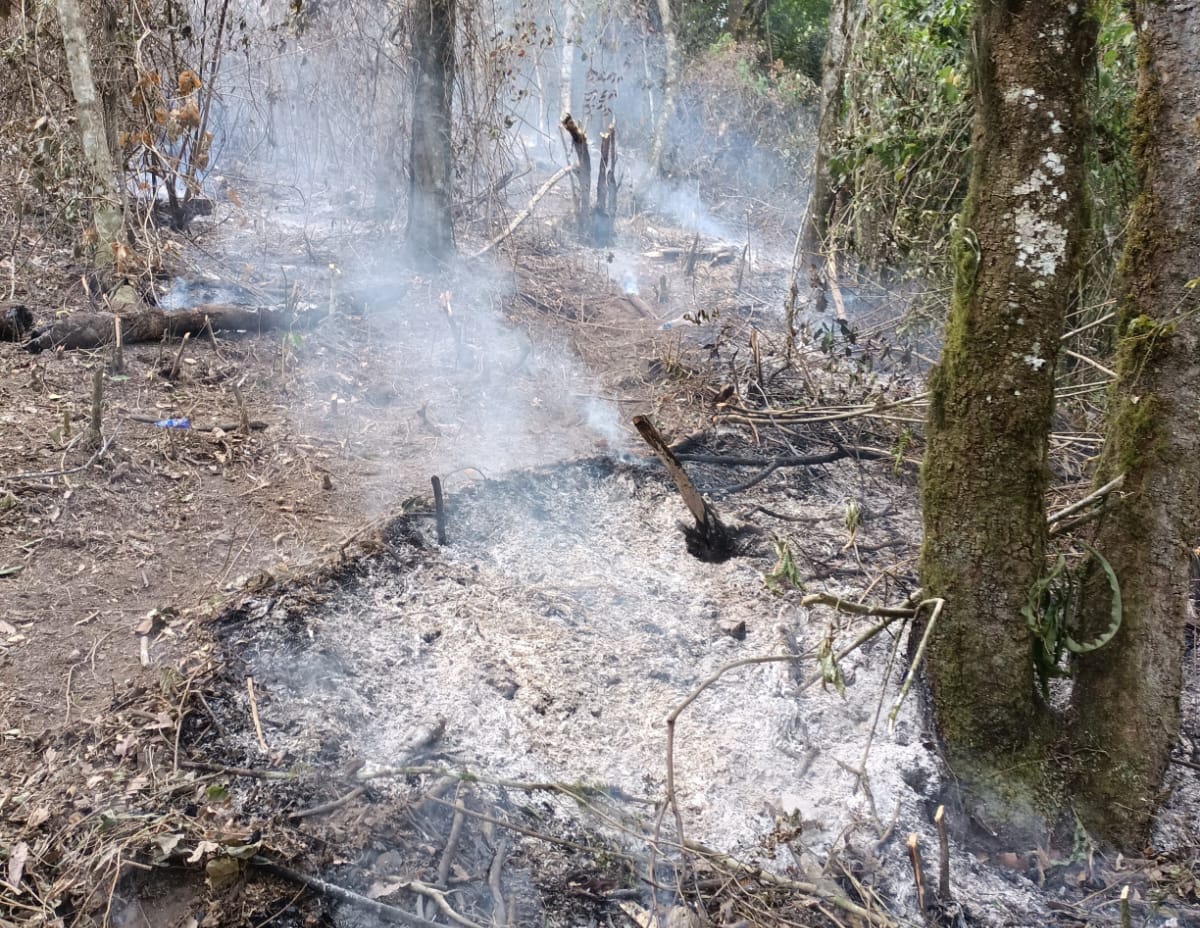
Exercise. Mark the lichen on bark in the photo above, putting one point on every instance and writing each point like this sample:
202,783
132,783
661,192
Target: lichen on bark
985,469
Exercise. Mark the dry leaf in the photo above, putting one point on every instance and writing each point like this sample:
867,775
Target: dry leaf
382,888
221,872
6,629
37,816
16,864
204,847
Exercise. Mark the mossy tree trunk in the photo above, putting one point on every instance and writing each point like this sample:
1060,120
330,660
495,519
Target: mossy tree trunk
107,216
1017,250
1126,694
431,168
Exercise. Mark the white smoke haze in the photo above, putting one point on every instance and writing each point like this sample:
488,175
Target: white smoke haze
564,620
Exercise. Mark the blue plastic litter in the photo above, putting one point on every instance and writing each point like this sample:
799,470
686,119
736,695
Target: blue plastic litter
173,424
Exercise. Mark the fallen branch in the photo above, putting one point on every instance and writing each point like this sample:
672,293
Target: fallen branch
1094,496
526,212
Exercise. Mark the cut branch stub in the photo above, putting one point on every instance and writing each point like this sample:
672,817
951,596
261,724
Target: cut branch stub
709,540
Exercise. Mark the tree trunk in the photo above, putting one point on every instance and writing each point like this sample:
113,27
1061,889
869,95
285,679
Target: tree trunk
106,199
746,20
431,182
844,18
1127,694
671,65
1016,252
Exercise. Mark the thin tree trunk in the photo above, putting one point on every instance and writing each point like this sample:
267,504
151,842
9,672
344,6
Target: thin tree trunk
844,19
666,105
430,227
1017,252
569,51
106,200
1127,693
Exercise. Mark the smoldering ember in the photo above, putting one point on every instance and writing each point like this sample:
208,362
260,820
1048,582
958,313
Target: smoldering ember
599,463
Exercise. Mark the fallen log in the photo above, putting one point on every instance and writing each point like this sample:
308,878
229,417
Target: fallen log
95,330
709,540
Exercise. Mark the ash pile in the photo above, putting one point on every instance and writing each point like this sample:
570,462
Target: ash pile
490,714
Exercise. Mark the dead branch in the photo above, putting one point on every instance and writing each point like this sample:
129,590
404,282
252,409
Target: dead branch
526,212
330,806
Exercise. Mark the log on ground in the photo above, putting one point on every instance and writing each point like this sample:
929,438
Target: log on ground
95,330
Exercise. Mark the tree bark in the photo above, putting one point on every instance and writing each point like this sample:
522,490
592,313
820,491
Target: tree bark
844,18
106,200
1016,252
671,72
95,330
1126,694
430,237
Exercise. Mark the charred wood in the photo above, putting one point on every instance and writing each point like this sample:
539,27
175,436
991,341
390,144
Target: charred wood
15,322
95,330
709,539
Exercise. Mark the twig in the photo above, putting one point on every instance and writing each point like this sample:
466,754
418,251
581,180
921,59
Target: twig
939,819
179,356
439,899
499,909
451,844
95,438
1086,501
797,886
797,460
62,472
255,772
439,509
914,857
329,806
262,742
843,605
912,670
384,911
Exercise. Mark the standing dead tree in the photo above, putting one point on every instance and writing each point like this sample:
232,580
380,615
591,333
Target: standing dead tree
595,222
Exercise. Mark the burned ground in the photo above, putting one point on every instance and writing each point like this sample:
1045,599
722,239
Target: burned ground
234,660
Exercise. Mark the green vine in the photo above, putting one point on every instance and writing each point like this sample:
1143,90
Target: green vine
1050,613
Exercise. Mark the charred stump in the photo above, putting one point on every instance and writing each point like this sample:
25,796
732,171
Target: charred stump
583,156
708,539
604,216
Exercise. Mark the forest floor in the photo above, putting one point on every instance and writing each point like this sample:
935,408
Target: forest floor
166,761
